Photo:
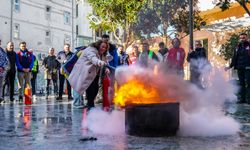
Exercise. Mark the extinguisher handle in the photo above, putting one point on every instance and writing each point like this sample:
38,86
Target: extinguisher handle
110,67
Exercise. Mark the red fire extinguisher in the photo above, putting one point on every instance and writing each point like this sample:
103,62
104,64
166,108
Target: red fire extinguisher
106,84
27,96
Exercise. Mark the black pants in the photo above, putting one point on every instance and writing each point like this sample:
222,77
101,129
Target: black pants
33,83
9,81
61,86
195,77
244,78
92,91
54,84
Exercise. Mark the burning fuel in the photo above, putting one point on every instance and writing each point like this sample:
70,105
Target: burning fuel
201,110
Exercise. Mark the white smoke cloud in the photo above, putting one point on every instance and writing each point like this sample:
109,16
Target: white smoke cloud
103,122
201,110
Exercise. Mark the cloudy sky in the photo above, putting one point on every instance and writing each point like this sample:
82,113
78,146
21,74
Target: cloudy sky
205,4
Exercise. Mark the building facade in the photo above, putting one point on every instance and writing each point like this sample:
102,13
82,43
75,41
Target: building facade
42,24
84,34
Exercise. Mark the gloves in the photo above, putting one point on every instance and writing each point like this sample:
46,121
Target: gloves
101,63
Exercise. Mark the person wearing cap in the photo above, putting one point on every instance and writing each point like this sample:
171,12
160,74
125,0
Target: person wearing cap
241,62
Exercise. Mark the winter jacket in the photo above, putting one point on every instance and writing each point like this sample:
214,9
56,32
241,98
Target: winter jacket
63,57
197,54
4,62
12,59
52,65
145,56
85,70
175,58
24,60
123,59
113,52
35,68
241,56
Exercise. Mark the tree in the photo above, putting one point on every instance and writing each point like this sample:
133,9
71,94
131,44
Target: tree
115,13
225,4
157,16
227,49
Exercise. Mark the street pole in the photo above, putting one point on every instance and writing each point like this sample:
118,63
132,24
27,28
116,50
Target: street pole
72,30
11,20
191,26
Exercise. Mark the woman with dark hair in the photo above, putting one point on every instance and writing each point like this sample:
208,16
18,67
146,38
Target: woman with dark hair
86,72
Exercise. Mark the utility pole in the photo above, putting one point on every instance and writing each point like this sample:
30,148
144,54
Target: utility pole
72,30
11,20
191,26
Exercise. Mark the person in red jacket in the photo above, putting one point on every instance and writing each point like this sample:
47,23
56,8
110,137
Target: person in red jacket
175,58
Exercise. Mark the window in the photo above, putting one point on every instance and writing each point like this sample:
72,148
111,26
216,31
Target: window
77,10
48,37
48,12
16,33
67,39
77,30
17,5
47,34
66,17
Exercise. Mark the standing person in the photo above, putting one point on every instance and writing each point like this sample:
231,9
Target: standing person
162,51
175,58
112,51
146,55
241,62
87,79
34,73
134,55
52,66
113,63
123,58
196,59
11,74
4,66
24,63
63,56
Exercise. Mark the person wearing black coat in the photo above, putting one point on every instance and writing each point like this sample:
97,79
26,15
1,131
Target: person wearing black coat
241,62
62,57
196,58
11,74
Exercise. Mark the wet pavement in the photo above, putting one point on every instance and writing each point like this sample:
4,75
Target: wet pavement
51,124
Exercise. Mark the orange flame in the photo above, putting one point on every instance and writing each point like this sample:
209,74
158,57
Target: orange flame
137,92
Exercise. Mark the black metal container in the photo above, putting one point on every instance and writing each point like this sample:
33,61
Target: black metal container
152,120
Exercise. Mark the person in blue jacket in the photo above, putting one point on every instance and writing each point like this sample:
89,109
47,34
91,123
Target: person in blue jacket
24,63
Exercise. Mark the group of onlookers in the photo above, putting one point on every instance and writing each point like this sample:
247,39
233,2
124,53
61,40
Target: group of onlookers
101,58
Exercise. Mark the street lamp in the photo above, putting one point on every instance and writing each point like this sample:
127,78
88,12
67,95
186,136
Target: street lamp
191,26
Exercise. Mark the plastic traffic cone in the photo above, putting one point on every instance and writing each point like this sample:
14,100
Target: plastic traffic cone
27,95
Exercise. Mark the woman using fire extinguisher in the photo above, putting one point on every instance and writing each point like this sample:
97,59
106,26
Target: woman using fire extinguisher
86,72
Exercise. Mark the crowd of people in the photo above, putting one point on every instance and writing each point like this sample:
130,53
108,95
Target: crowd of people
100,59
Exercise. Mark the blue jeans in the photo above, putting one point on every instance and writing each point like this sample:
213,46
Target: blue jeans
77,99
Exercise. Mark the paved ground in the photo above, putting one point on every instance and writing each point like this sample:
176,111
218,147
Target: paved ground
55,125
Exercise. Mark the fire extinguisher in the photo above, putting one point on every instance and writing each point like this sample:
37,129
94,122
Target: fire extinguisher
27,96
106,84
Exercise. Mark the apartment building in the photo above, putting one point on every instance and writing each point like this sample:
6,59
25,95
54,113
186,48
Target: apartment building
42,24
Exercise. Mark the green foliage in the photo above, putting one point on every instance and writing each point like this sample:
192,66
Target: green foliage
227,49
114,13
157,15
225,4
